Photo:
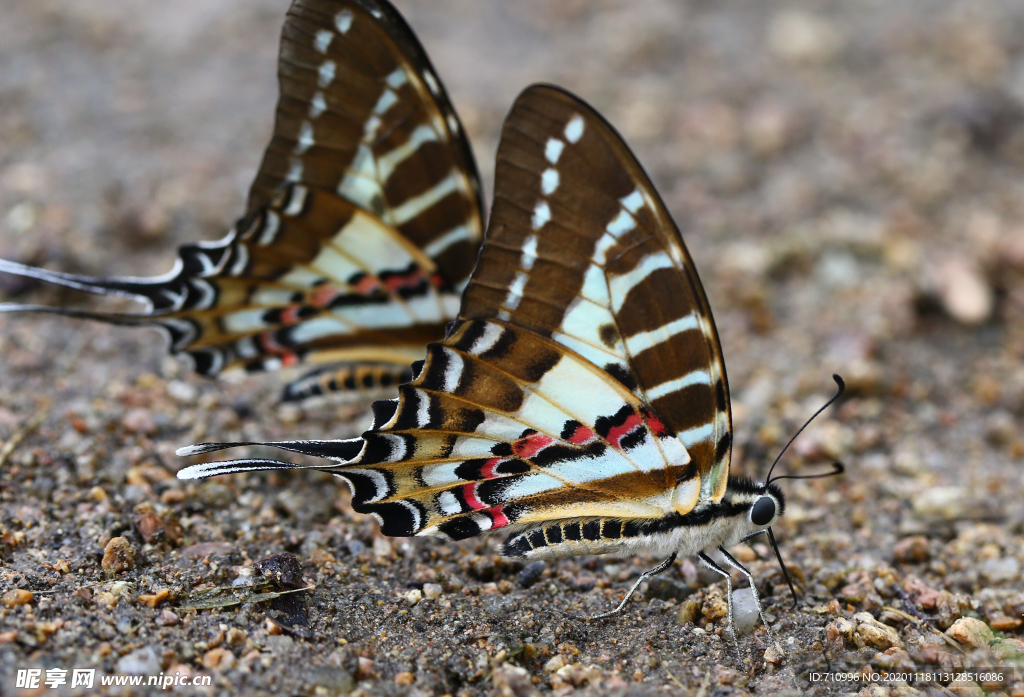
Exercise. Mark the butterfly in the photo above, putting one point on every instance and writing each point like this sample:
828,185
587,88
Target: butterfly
361,227
580,400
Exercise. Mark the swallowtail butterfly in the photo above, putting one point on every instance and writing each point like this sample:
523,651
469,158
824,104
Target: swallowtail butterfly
580,399
361,227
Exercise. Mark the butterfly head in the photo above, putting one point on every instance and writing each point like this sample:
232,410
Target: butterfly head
755,506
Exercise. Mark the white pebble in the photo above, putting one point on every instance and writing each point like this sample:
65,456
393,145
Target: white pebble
744,611
963,291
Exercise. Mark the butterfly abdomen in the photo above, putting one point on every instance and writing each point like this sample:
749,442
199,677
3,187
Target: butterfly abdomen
364,377
596,536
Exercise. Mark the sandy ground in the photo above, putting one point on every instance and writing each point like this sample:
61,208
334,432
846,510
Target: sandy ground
849,177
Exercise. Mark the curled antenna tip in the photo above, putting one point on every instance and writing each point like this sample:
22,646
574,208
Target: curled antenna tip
826,405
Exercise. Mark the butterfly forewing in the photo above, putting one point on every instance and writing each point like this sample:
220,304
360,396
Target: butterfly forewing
362,223
581,397
362,113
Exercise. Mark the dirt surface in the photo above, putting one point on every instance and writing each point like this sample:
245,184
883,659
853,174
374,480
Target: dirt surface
849,177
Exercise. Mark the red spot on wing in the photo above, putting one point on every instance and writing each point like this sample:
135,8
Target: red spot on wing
527,447
270,346
269,343
656,425
469,493
582,435
410,279
290,315
323,295
617,433
498,517
367,285
487,471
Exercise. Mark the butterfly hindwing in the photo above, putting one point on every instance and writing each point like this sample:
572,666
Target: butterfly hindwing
362,223
503,426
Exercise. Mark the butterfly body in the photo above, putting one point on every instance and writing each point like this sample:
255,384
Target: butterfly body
702,529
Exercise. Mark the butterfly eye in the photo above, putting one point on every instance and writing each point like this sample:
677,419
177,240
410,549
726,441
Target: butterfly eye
763,511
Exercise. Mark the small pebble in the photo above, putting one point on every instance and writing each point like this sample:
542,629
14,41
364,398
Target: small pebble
365,668
404,678
381,547
530,574
182,391
283,568
155,598
555,663
715,607
964,293
940,503
432,590
118,556
689,611
144,661
167,618
139,421
799,37
414,596
1002,569
970,632
911,550
148,523
16,597
498,606
216,495
744,611
871,632
219,658
774,655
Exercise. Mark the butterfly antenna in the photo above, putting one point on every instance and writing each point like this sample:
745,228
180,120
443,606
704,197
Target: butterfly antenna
778,555
826,405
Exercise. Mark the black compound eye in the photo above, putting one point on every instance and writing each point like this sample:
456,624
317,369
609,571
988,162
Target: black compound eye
763,511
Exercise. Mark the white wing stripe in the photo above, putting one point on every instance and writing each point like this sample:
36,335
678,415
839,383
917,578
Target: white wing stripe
456,234
639,342
697,377
696,434
621,285
416,205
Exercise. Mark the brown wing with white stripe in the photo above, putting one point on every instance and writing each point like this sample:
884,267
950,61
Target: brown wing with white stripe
362,223
581,249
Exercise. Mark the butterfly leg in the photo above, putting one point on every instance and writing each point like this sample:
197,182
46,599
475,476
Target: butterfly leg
643,577
731,561
711,564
